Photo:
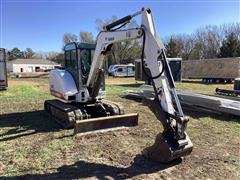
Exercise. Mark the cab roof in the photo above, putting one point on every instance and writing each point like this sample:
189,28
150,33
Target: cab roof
76,45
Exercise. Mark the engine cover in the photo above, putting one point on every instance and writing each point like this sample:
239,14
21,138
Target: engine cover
62,84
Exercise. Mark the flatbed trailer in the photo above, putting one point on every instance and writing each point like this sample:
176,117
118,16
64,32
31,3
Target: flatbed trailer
3,70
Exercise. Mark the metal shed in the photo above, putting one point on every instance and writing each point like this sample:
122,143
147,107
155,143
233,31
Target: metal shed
175,66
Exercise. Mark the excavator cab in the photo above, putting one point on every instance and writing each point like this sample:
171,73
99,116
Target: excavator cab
70,84
78,59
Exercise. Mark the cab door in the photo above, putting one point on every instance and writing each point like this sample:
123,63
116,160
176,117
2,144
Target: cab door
71,61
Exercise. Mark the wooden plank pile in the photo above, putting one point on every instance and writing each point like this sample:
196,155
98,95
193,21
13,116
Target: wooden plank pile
195,101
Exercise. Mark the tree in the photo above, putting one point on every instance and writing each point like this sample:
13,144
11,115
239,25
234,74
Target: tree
69,37
86,37
52,55
101,23
60,58
204,43
57,57
230,46
188,46
40,55
174,47
29,53
15,53
207,42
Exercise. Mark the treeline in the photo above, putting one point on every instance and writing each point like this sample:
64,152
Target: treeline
206,42
16,53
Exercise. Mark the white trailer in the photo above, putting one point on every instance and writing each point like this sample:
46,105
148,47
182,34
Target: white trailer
3,70
122,70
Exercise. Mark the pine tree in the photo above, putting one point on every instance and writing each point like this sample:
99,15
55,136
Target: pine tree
174,48
230,46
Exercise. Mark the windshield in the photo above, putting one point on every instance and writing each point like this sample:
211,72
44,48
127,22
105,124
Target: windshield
85,57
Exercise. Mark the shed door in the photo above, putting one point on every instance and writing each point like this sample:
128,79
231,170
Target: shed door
30,69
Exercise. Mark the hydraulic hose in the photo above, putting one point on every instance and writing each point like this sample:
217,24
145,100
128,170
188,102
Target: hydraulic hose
142,60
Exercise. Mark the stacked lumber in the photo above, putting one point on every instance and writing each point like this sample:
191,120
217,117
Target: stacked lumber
203,102
215,104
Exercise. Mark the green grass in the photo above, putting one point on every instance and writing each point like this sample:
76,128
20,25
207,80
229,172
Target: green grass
26,90
30,143
121,89
198,87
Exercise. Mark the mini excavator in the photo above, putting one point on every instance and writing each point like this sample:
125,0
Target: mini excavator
81,88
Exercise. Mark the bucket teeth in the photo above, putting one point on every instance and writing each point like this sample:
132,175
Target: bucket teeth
166,149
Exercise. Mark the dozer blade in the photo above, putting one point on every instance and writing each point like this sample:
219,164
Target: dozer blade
92,117
103,123
166,149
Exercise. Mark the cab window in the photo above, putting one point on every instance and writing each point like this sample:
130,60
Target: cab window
71,59
74,58
120,70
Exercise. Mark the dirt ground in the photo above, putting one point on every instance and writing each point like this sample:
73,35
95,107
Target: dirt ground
32,146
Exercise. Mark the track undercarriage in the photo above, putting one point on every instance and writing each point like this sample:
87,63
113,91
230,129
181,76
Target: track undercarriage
90,116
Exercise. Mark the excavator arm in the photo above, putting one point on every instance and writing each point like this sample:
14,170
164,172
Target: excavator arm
154,52
156,67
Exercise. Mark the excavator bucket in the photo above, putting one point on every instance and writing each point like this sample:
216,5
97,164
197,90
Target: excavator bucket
166,149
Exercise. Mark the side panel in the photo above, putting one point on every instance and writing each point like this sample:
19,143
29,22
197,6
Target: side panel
3,70
62,84
225,68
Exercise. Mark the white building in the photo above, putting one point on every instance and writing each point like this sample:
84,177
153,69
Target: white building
30,65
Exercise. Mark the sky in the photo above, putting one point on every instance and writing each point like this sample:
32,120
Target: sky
41,24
